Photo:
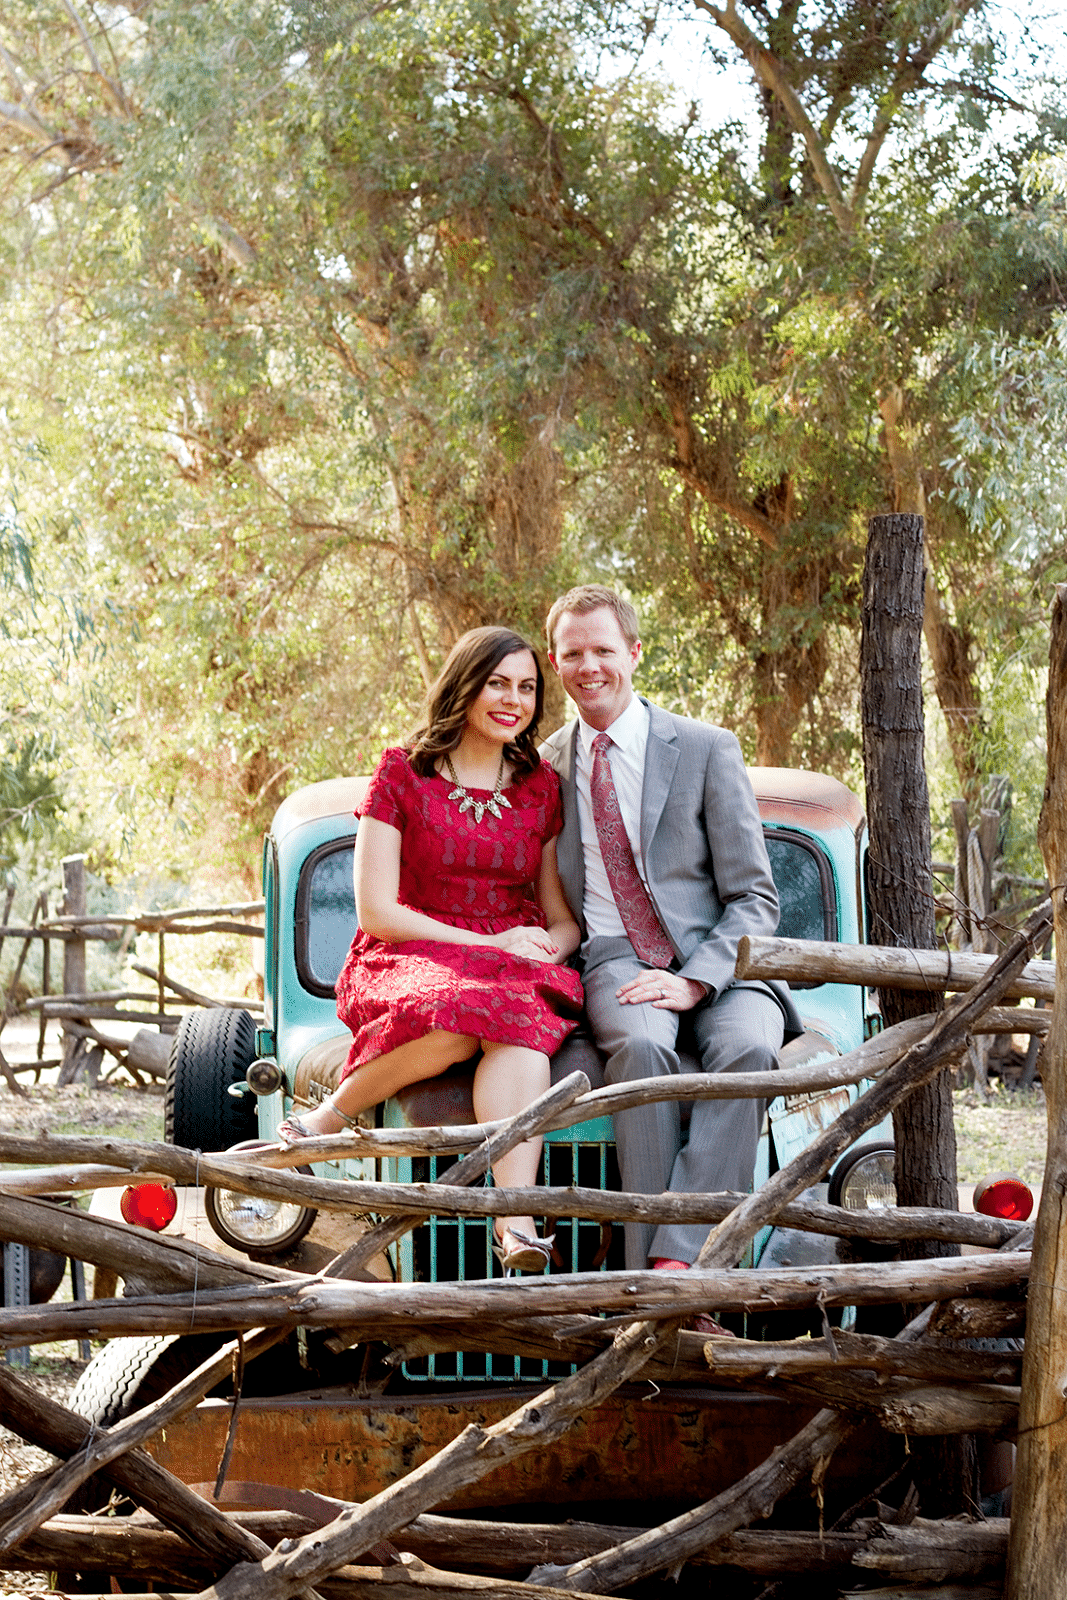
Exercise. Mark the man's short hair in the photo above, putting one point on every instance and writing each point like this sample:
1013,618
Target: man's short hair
591,597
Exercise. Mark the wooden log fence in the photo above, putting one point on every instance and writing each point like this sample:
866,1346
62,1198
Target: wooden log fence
937,971
84,1044
167,1164
931,1552
469,1308
614,1325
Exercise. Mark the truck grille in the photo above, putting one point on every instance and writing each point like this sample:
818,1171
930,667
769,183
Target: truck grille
445,1249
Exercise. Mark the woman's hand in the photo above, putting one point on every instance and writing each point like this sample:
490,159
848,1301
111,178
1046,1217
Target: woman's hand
536,944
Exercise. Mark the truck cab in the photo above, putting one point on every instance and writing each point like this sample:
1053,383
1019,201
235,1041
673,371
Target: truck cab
225,1090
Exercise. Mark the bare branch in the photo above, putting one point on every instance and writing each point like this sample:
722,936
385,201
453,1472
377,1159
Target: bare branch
114,91
18,117
771,74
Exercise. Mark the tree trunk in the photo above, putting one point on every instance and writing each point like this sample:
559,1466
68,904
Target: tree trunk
901,906
948,644
950,648
1037,1560
789,676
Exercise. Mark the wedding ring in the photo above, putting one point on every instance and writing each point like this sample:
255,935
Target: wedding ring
663,994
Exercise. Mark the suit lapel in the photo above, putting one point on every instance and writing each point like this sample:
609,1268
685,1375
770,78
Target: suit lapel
661,758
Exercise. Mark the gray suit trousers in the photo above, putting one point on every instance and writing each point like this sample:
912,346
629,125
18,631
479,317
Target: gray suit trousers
741,1031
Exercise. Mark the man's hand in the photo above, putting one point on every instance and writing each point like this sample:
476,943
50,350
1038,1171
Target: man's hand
668,991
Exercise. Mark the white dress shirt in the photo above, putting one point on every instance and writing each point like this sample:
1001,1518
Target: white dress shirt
626,756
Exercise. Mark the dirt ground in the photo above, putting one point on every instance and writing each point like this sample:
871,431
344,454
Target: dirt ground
1004,1133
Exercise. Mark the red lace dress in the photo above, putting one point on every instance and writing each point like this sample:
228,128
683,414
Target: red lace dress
473,875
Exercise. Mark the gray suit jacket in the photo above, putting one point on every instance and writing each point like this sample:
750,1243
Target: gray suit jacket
702,842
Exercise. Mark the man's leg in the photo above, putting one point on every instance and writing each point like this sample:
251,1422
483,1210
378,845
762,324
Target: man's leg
741,1032
639,1043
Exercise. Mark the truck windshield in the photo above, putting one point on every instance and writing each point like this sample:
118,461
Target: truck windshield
326,909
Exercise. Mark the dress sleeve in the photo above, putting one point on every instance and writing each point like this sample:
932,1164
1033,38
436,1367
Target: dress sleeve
387,797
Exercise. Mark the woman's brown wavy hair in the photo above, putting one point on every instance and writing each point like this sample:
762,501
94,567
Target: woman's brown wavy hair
470,664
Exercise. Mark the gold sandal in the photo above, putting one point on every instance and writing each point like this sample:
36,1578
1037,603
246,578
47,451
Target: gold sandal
294,1128
524,1254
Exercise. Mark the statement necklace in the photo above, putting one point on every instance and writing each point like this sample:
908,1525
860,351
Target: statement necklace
479,807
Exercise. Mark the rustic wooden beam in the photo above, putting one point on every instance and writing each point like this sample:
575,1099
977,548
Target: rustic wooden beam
64,1010
440,1199
128,1547
932,1552
1037,1560
882,966
408,1579
151,920
42,1421
31,1182
901,1405
81,927
931,1362
132,1547
375,1307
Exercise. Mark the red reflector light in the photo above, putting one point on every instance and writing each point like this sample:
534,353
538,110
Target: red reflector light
1004,1196
149,1205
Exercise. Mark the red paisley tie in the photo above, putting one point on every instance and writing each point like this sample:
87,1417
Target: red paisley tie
635,908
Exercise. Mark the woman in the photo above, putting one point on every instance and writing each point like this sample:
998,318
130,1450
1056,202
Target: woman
463,926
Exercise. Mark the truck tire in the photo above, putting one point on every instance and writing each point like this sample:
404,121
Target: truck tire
212,1049
124,1376
107,1389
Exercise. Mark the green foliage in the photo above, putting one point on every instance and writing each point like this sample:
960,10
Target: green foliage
332,331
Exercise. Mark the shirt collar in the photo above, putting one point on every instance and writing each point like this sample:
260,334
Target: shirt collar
629,730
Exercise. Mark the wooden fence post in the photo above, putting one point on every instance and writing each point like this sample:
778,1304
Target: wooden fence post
1037,1551
73,961
901,906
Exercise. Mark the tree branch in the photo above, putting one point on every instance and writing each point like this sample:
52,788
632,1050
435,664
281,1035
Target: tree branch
771,74
27,122
114,91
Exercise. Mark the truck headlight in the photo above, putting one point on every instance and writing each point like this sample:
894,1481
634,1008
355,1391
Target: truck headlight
863,1179
256,1224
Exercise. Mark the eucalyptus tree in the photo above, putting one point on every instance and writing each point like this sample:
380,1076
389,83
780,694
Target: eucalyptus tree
886,235
346,327
314,283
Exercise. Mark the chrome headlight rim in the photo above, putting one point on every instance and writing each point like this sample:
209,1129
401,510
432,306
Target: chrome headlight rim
255,1224
863,1178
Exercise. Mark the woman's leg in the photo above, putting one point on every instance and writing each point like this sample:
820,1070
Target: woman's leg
507,1078
377,1080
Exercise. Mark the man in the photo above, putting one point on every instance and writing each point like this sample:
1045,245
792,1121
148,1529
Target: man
663,861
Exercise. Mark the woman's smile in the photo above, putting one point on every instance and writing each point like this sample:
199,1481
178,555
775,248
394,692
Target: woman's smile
507,701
